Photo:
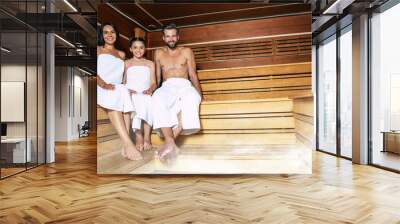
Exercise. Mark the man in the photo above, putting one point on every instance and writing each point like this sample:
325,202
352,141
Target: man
176,103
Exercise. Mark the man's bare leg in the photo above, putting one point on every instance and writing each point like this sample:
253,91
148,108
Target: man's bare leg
147,136
127,121
177,131
117,120
139,139
169,145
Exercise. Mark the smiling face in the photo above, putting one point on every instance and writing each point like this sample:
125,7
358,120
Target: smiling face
109,35
171,38
137,49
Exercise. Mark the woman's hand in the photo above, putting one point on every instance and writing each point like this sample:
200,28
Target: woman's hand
104,85
108,86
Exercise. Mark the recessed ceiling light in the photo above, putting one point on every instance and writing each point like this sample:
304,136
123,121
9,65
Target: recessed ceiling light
64,40
84,71
152,26
5,50
70,5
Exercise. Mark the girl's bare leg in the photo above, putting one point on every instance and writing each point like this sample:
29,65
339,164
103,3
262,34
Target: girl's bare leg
139,139
147,136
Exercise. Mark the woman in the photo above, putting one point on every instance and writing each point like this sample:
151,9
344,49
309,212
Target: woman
112,95
141,82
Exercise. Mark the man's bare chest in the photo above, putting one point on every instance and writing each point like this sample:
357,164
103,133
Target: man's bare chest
174,61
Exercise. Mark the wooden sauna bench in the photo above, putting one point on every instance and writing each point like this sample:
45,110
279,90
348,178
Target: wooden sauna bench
248,125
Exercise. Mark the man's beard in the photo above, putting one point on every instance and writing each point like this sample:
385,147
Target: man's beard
171,45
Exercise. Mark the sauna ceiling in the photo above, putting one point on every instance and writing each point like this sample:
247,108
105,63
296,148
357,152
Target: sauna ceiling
152,17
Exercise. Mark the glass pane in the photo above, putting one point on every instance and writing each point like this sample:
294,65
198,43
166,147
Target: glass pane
346,92
31,98
41,98
13,86
386,89
327,95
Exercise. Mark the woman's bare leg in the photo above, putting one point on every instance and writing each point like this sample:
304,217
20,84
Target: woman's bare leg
117,120
127,121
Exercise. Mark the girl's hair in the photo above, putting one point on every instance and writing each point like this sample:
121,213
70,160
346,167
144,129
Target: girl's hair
134,39
100,37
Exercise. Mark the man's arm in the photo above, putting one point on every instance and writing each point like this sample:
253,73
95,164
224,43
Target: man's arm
157,67
192,71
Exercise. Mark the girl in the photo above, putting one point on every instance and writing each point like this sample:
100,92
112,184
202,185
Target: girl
112,95
141,82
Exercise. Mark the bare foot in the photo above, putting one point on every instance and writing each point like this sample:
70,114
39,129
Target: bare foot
139,140
147,145
132,153
123,152
167,149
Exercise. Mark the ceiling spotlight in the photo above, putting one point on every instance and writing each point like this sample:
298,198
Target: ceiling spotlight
338,6
64,40
84,71
5,50
70,5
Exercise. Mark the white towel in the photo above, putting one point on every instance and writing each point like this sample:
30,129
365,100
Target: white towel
111,70
174,96
138,79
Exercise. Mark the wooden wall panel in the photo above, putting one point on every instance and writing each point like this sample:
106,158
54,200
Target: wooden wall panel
238,30
243,72
261,82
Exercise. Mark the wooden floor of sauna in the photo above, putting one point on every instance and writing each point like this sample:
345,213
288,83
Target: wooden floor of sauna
210,159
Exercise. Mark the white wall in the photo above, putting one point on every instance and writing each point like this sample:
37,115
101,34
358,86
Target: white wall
71,94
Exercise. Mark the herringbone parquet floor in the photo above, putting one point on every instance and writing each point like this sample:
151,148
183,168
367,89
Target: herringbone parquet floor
70,191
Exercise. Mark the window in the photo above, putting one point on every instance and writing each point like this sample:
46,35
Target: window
385,87
346,92
327,95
